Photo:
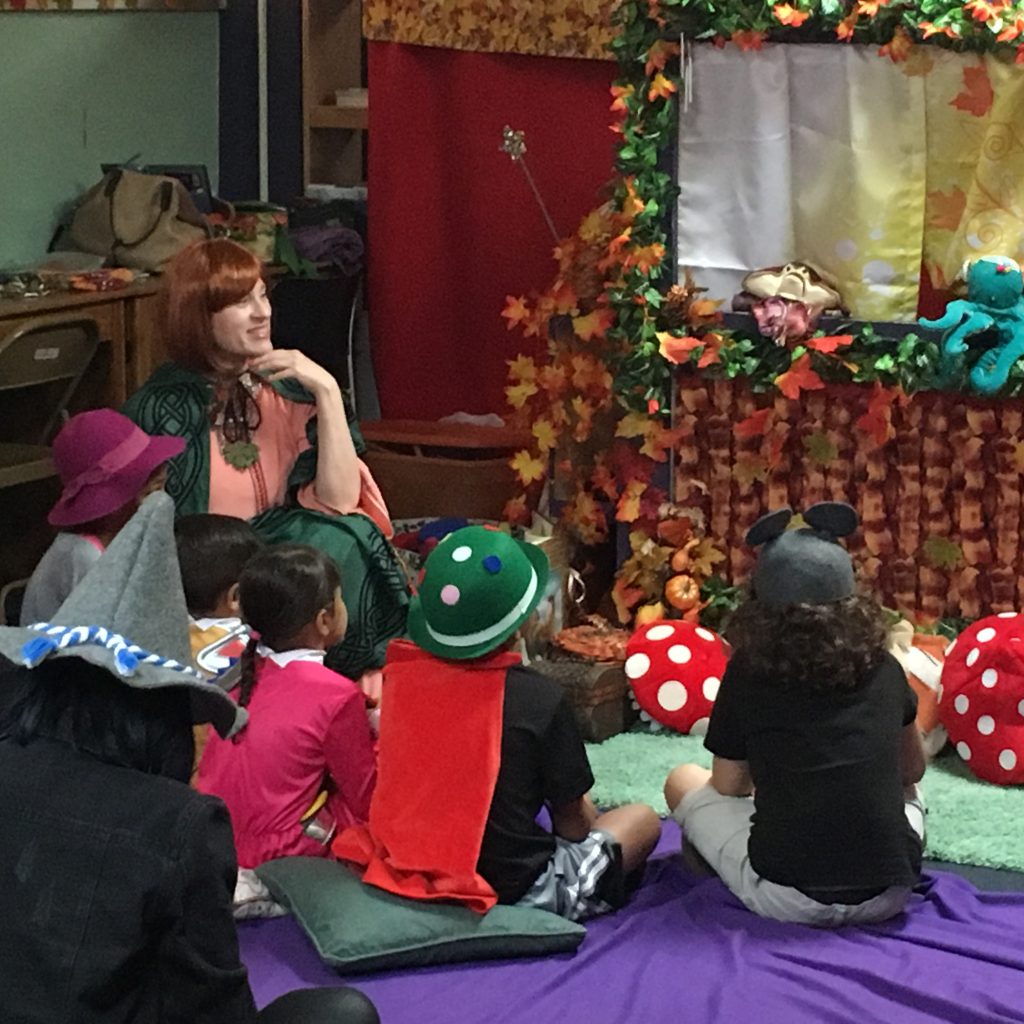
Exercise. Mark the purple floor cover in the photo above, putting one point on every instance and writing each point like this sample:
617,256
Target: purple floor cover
685,950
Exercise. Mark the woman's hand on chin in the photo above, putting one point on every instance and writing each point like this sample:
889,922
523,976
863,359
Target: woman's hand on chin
282,363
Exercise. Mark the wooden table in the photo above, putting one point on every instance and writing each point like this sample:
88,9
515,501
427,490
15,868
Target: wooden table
129,327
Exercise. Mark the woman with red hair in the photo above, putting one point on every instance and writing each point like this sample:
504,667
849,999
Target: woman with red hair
269,438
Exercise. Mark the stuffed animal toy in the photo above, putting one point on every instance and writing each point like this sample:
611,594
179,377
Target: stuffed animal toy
981,699
675,668
994,300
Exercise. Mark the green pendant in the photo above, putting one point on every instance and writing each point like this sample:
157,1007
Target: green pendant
240,454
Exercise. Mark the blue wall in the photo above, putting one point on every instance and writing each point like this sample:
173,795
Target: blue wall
83,88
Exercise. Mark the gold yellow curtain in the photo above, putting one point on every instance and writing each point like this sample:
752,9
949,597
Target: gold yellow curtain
548,28
975,162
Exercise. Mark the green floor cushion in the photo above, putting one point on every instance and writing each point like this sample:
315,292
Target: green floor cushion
358,928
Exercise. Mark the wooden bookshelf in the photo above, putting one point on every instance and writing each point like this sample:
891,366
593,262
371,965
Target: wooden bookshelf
335,105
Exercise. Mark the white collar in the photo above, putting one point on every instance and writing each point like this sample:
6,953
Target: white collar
232,622
282,658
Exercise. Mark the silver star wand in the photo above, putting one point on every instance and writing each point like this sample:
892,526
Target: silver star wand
514,143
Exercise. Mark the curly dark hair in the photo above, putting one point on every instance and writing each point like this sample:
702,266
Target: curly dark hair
833,646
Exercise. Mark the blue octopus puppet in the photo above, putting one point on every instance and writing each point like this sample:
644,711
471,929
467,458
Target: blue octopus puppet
995,299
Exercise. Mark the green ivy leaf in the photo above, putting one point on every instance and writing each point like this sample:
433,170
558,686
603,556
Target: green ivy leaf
942,553
820,448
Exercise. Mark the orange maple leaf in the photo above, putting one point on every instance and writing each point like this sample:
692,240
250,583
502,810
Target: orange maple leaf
528,467
515,511
620,94
983,10
702,311
1012,31
515,311
799,377
712,343
898,48
977,95
748,40
845,28
754,425
677,350
603,480
521,368
661,88
625,598
869,8
646,257
829,343
877,419
946,211
787,14
929,29
628,508
595,324
658,55
553,380
584,418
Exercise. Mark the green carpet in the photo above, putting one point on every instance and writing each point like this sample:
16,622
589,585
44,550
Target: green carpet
969,822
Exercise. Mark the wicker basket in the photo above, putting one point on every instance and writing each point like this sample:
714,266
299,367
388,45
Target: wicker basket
598,692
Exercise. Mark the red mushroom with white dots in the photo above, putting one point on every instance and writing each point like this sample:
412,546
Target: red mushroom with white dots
675,669
981,698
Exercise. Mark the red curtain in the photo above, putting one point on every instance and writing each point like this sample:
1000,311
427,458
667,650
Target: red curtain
453,226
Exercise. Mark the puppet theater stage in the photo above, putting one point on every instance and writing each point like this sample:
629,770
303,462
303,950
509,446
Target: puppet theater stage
658,424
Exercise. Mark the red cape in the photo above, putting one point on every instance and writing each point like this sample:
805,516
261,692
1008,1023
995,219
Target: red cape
439,755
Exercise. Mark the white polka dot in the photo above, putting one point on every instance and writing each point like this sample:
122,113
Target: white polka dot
986,634
672,695
1008,615
704,634
1007,760
700,727
963,750
460,554
1020,708
989,677
680,654
662,632
637,665
972,656
710,687
961,704
986,725
846,249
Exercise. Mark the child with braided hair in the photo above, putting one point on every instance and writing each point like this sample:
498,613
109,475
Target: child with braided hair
305,764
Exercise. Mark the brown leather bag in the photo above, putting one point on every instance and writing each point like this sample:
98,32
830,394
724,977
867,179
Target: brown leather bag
136,220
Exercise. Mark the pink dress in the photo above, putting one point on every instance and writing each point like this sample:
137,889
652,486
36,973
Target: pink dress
281,437
306,724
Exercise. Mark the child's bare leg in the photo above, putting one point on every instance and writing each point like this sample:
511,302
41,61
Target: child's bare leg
636,827
683,779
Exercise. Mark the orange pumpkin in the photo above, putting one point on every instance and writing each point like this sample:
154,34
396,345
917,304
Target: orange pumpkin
682,592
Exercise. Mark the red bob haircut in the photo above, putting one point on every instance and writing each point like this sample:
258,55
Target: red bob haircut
202,280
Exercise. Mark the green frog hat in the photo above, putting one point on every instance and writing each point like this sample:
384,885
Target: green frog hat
479,586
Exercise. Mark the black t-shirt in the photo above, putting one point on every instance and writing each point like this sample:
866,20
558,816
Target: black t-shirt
543,761
828,799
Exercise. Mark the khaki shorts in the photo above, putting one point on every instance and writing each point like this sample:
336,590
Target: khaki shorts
718,827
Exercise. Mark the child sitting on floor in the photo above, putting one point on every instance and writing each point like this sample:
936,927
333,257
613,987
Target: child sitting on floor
473,745
107,465
213,551
810,812
308,732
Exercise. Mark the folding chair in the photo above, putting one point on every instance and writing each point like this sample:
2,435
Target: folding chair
33,354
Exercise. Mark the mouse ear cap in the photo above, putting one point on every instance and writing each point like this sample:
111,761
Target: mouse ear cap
769,526
832,517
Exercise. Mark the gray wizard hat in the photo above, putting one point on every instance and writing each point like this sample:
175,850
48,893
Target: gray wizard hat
128,615
806,565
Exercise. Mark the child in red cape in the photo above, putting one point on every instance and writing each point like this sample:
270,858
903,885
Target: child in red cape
473,745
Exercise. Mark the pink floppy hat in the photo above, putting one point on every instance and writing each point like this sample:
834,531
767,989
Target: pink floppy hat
104,460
